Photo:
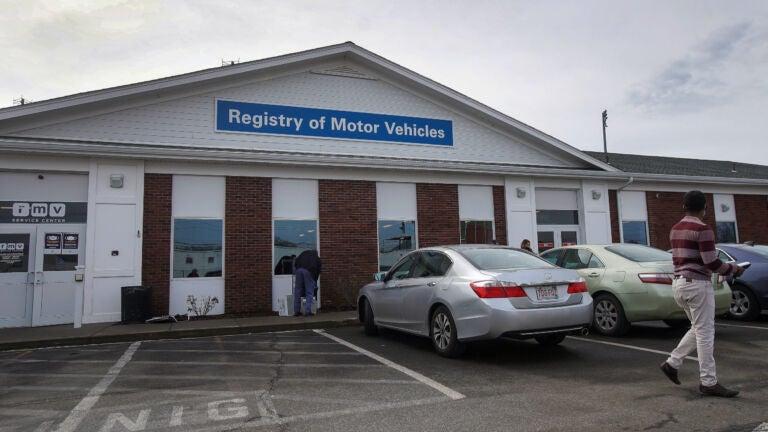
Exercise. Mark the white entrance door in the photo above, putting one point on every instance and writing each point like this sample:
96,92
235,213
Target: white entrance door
59,249
17,272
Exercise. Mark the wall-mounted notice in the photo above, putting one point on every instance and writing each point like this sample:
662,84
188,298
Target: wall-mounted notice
70,243
14,253
52,244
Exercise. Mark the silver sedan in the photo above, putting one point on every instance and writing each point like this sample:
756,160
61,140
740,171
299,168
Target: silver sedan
457,294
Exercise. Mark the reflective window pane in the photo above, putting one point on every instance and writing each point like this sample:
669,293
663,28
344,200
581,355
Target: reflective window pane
292,237
396,238
59,262
14,253
197,247
726,232
474,232
546,240
569,238
557,217
635,232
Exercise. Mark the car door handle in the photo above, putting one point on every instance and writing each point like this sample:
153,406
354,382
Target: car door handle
431,284
594,275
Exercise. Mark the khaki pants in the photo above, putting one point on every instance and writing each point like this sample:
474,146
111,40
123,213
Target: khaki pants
697,298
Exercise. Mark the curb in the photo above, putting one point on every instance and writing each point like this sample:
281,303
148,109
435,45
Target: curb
174,334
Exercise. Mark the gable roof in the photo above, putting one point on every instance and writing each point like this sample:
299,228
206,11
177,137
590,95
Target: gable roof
164,87
642,164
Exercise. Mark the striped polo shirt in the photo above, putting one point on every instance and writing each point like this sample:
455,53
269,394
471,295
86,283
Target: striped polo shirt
693,250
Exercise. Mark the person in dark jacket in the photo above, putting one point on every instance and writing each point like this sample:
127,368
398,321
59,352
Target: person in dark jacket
307,268
526,245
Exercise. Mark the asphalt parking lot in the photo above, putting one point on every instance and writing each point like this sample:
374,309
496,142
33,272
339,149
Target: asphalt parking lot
340,379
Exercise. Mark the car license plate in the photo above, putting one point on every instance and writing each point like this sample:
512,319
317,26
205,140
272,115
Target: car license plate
546,293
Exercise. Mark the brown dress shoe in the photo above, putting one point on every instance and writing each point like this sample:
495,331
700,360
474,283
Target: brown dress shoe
670,372
717,390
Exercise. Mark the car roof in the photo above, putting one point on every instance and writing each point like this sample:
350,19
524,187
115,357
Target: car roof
465,247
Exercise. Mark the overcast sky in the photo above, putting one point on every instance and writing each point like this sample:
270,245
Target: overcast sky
680,78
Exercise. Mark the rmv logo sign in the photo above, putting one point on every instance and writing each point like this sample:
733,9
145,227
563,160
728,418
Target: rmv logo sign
39,210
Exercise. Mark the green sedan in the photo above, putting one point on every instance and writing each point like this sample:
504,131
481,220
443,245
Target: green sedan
629,283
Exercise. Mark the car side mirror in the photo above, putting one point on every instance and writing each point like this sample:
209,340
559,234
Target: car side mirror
379,276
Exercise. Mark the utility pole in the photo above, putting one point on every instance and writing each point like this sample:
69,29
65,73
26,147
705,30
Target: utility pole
605,142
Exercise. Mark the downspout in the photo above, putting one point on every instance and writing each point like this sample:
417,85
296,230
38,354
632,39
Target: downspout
618,207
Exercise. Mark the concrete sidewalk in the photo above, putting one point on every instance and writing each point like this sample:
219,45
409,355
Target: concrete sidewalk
66,334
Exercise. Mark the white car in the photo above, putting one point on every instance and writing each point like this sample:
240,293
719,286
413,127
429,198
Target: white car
457,294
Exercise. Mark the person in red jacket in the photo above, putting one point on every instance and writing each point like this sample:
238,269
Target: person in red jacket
695,259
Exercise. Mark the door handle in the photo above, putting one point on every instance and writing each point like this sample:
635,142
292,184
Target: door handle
594,275
431,284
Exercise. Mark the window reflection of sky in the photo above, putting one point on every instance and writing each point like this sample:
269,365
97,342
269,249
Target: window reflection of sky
396,235
296,233
198,231
634,232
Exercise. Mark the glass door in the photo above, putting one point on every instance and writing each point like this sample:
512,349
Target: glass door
59,249
17,260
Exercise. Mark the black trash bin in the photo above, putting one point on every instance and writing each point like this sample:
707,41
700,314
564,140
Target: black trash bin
136,303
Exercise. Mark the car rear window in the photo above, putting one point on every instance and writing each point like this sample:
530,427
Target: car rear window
501,258
640,253
758,249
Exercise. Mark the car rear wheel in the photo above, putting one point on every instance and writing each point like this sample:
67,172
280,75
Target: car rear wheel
442,332
744,305
609,318
369,325
550,340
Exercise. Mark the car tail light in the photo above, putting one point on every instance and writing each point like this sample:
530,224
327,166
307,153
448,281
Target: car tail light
496,289
656,278
577,287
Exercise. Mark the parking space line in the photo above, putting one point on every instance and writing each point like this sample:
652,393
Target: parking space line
79,412
265,365
413,374
217,351
741,326
666,353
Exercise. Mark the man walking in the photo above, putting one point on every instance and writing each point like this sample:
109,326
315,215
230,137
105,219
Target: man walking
695,259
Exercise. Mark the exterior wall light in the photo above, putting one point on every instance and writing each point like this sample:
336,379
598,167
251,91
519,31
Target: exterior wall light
521,192
724,207
116,181
596,194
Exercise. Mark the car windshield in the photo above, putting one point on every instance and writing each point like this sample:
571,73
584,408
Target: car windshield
638,253
501,258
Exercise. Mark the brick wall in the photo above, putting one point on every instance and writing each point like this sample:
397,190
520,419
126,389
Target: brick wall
348,240
248,246
666,209
752,217
500,215
437,208
156,240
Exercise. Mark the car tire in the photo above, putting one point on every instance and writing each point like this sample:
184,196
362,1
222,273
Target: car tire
609,318
550,340
677,323
369,325
442,332
744,305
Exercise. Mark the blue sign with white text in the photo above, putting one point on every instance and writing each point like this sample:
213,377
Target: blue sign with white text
249,117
